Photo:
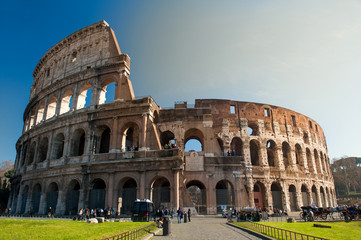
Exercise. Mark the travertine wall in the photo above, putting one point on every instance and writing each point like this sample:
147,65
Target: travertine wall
79,150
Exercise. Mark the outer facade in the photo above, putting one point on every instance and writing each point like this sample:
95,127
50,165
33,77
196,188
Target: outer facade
78,149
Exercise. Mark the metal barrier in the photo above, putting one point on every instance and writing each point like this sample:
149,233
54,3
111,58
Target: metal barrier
279,233
133,234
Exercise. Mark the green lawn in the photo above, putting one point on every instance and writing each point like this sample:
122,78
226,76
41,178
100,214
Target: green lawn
61,229
338,230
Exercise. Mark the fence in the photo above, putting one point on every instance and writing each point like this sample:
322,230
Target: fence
133,234
279,233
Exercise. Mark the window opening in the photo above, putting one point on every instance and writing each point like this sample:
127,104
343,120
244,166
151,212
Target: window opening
293,121
267,112
233,109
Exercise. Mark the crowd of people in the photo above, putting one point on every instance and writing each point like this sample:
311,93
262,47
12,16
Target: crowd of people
161,213
107,213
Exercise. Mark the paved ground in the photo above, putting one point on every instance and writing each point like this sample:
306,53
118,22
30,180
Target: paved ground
204,228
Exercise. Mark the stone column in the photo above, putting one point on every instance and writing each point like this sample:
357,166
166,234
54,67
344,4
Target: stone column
50,149
42,204
60,205
211,195
74,98
175,200
141,190
268,196
279,157
114,136
249,186
247,153
293,158
304,160
286,197
110,189
67,143
20,195
58,104
263,156
143,134
313,163
45,108
237,189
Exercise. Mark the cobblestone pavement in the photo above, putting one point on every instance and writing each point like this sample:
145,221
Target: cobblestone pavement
204,228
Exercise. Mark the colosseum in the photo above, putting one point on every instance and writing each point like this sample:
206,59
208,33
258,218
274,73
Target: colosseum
84,147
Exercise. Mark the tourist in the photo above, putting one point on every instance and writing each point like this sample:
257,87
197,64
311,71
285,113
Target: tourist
180,215
189,214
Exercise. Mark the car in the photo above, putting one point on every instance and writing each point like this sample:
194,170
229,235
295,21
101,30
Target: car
142,210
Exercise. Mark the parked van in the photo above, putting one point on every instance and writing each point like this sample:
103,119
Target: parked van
142,211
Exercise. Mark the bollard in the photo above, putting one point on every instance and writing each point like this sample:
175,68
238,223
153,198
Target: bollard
166,226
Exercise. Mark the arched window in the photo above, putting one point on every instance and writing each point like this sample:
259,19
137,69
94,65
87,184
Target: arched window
298,152
317,161
31,153
167,139
309,160
130,137
259,195
253,129
161,192
236,147
276,190
77,143
39,116
58,146
65,105
254,149
72,197
43,149
293,197
36,198
32,118
84,97
52,196
193,140
286,152
271,153
128,193
105,141
107,93
197,194
97,194
50,112
224,195
305,197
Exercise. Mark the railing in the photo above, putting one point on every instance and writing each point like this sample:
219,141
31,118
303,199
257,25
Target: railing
133,234
279,233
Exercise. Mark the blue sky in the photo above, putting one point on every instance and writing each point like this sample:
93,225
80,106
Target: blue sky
302,55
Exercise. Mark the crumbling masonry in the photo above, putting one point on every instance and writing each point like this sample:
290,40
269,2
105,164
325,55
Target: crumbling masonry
78,149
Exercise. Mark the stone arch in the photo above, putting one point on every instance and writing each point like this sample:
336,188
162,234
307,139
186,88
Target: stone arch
292,197
107,92
97,194
58,146
317,162
309,160
72,197
306,138
31,119
255,152
323,163
323,197
298,153
237,147
40,113
198,197
224,195
259,193
77,143
52,196
160,192
194,134
305,195
43,149
127,194
315,195
50,112
66,100
36,194
276,190
167,139
103,134
271,153
24,198
130,137
83,98
31,155
253,129
286,153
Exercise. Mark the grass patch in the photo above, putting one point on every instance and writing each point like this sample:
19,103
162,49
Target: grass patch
338,230
62,229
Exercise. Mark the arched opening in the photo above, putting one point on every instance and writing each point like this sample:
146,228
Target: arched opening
323,197
72,197
107,93
236,147
224,195
50,112
43,149
258,195
298,152
293,197
252,129
193,140
254,149
167,139
77,143
276,190
314,195
104,140
309,160
52,196
304,192
286,153
31,153
58,146
127,194
24,198
97,194
306,138
323,163
36,198
40,114
130,137
271,153
161,193
197,195
84,97
65,104
32,118
317,161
